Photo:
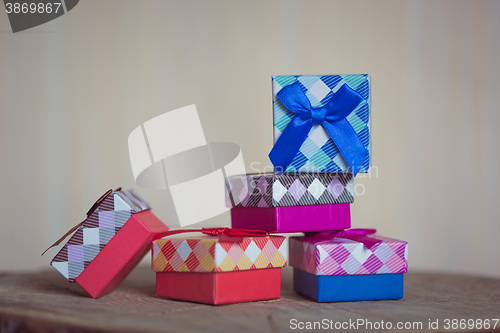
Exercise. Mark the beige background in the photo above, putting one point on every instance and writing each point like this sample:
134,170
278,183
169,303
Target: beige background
73,89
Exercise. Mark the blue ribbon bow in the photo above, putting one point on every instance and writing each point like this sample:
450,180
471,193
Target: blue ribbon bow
331,116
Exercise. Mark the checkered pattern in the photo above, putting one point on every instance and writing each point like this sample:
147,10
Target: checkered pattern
340,256
289,189
318,153
97,230
208,254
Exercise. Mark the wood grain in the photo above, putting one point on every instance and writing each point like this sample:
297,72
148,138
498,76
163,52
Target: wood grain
46,302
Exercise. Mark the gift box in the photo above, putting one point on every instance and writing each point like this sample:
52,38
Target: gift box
289,189
347,288
321,123
293,219
217,270
220,288
108,244
323,260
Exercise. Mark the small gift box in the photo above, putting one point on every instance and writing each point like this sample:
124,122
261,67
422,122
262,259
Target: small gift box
348,265
230,266
321,123
289,189
108,244
293,219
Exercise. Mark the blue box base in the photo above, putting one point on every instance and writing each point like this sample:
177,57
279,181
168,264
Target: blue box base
346,288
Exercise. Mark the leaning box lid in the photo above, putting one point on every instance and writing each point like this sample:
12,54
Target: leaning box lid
210,254
109,243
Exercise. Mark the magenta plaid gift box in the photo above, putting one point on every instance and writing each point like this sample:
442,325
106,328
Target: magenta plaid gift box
348,252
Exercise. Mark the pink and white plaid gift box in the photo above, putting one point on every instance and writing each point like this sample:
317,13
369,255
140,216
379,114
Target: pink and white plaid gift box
348,252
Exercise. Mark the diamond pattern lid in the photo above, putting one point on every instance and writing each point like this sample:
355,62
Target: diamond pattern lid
209,254
103,221
318,153
289,189
342,256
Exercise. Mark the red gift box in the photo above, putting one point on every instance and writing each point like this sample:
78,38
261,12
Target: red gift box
219,269
220,287
110,242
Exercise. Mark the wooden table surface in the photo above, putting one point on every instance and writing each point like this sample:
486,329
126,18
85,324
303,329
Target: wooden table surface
45,302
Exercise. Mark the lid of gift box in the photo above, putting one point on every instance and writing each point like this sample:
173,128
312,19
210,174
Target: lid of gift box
289,189
210,254
342,141
104,220
344,256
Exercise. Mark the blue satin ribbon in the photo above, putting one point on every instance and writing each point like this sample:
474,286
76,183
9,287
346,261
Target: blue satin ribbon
331,116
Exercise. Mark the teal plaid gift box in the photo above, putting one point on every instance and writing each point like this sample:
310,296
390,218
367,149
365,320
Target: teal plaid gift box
318,152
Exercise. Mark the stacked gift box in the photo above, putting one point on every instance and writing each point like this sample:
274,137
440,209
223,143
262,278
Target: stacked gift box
322,140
